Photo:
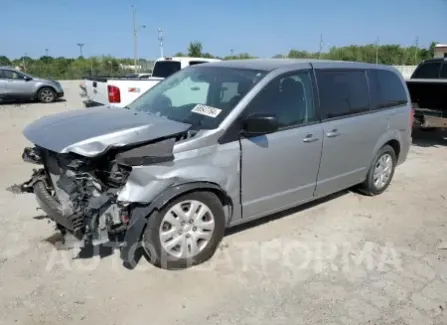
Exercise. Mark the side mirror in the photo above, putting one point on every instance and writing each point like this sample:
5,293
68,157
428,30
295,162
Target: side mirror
259,124
26,78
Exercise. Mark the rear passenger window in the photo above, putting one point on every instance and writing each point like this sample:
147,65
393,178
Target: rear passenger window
443,73
387,89
342,92
428,70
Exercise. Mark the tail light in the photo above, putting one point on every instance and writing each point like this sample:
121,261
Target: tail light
412,115
114,94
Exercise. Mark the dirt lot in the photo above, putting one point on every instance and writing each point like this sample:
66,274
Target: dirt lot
346,260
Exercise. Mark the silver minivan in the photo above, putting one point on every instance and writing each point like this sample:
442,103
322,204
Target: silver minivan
214,146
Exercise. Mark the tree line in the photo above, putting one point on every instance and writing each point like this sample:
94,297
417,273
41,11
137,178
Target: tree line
77,68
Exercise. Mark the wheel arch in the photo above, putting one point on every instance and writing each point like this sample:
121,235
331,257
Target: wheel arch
141,212
40,87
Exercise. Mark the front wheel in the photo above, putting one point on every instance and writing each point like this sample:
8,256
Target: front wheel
186,231
46,95
380,173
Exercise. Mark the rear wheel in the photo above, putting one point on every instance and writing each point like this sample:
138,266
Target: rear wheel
46,95
380,173
186,231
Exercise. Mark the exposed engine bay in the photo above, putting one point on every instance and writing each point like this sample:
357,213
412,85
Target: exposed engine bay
80,193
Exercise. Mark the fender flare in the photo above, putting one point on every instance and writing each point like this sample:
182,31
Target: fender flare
141,213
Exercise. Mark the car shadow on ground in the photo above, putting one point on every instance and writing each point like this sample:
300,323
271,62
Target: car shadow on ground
429,138
68,242
258,222
5,102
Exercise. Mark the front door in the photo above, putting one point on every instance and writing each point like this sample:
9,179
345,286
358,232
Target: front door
279,170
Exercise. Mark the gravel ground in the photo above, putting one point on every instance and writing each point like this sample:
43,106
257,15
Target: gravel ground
345,260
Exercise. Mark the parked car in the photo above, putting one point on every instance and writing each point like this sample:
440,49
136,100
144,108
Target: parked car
428,91
121,91
17,85
217,145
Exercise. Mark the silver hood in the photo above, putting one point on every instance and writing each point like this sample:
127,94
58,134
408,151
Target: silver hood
90,132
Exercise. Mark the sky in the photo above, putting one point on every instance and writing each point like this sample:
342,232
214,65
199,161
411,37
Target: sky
259,27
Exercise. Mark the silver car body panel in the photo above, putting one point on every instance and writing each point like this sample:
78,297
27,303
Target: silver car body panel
92,132
261,175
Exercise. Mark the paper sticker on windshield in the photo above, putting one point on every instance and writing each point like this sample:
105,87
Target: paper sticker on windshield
206,110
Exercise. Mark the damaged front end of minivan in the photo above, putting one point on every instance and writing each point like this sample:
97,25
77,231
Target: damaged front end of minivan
80,192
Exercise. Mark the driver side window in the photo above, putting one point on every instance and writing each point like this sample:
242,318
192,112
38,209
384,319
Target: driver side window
289,98
188,92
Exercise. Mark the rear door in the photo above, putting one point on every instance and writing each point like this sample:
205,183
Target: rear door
17,86
350,132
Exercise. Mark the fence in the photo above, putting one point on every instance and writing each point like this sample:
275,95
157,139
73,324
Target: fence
406,70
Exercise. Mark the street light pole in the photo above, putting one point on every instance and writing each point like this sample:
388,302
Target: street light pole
24,61
135,30
377,51
81,45
160,39
134,38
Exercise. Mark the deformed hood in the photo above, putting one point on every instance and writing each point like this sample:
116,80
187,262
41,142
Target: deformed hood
90,132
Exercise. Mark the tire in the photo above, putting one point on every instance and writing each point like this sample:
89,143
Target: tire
46,95
368,187
160,221
40,190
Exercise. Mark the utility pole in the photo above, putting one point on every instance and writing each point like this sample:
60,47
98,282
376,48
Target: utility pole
232,52
135,30
377,50
160,39
81,45
321,46
46,61
416,52
134,39
24,61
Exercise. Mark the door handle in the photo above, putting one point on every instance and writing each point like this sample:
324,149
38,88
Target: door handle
334,133
310,138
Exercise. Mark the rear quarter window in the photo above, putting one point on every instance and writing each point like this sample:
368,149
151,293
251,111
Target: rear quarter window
443,73
197,62
387,89
342,92
429,70
163,69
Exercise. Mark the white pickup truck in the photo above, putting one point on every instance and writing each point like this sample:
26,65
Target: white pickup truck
121,91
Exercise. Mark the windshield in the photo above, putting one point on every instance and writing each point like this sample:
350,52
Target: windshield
163,69
198,95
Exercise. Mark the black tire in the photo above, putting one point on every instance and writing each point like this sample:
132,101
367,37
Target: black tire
40,190
46,95
368,187
159,257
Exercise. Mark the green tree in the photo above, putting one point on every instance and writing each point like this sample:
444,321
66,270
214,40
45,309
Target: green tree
195,49
4,60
